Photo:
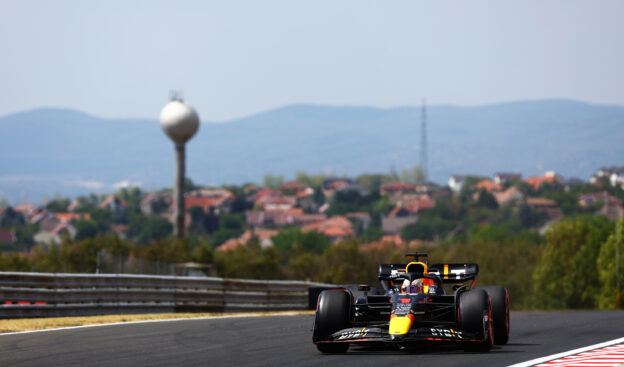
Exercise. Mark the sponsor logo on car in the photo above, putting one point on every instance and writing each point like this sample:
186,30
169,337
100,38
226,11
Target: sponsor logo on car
352,334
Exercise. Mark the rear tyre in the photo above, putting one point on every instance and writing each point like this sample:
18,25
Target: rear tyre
332,315
475,312
500,313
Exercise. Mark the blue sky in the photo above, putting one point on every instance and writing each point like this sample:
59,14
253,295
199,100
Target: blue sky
236,58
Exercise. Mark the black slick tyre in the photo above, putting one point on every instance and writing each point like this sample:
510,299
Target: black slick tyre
332,315
499,296
475,312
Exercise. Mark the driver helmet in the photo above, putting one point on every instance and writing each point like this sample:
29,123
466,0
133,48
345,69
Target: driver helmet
416,286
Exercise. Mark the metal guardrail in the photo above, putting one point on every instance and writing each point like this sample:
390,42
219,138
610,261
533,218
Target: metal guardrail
50,295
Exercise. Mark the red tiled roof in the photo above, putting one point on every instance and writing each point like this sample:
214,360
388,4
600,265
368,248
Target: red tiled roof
110,199
68,217
511,193
543,202
536,182
396,239
336,226
230,245
396,186
7,236
293,185
25,208
205,203
233,243
488,185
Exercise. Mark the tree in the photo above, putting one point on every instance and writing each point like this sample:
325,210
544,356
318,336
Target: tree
607,268
314,181
309,242
486,200
343,263
9,218
413,176
144,230
566,275
58,204
85,229
272,181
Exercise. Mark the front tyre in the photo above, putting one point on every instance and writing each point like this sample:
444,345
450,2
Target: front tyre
332,314
475,310
500,313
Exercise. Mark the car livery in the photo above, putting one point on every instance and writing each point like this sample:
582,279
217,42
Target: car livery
415,309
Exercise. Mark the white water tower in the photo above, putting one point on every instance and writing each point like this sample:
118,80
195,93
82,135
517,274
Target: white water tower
180,122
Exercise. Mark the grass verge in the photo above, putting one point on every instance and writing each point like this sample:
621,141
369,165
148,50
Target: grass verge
14,325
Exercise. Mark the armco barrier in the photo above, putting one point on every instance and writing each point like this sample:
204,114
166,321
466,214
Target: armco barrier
48,295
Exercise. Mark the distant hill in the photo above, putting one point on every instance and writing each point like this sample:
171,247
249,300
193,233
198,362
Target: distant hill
48,151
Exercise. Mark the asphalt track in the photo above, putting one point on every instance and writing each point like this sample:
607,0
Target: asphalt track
286,341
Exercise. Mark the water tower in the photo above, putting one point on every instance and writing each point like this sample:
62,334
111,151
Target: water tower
180,122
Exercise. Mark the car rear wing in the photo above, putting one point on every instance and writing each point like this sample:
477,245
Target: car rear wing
455,273
449,273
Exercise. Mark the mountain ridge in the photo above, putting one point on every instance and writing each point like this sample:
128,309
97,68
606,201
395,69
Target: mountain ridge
50,150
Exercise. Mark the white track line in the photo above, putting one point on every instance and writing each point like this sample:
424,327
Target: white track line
533,362
151,321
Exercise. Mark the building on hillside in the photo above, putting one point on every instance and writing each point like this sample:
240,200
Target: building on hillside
156,203
7,236
427,187
263,235
292,188
456,183
571,182
501,178
333,185
545,206
607,173
549,177
210,200
398,218
272,218
113,203
617,179
396,188
54,235
361,220
72,217
336,228
489,186
512,193
609,205
28,211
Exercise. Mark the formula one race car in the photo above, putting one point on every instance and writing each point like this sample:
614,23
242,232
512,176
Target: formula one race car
415,309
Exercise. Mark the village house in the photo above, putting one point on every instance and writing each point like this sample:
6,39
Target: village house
545,206
263,235
506,178
456,183
332,185
549,177
396,188
512,193
7,236
113,203
336,228
489,186
155,203
609,205
406,212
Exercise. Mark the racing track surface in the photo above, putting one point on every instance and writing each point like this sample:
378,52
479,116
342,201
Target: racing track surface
286,341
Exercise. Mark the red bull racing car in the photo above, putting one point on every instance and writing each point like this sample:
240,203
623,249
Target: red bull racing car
416,308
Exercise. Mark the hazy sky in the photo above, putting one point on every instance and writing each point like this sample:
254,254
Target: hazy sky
235,58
